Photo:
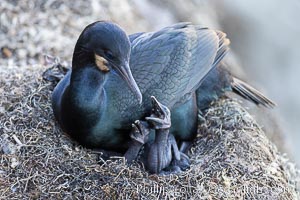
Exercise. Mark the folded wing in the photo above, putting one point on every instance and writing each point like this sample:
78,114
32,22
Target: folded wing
171,63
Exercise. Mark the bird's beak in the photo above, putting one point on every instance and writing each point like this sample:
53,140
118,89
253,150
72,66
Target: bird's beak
126,74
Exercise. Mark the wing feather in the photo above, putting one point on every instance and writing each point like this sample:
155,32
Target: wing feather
170,64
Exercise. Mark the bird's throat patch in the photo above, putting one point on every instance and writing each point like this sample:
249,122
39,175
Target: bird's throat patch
101,63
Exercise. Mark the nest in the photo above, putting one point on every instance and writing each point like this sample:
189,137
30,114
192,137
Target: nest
231,157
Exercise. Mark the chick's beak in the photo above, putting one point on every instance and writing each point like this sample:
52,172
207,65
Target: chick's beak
125,73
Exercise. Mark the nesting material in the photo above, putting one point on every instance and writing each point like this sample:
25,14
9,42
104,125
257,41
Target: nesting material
231,158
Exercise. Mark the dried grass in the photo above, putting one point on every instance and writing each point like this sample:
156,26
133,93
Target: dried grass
231,158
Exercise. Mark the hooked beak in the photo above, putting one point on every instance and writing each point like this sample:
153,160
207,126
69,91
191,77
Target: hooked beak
126,74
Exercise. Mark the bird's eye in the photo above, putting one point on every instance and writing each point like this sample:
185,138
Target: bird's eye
109,54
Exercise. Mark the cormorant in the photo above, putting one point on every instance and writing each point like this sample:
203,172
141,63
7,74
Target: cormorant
116,80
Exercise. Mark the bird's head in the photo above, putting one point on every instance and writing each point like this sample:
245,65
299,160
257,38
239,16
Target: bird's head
105,46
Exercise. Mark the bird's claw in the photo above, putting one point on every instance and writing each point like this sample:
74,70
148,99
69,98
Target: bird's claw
140,132
160,117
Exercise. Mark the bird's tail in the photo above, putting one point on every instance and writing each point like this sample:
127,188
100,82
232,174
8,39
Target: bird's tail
250,93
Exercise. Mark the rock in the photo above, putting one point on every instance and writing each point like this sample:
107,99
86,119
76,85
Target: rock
7,52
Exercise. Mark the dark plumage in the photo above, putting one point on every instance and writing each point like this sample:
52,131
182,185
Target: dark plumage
219,81
97,108
84,101
98,100
170,64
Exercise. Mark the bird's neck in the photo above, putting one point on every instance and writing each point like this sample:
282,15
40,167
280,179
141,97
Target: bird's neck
86,92
161,135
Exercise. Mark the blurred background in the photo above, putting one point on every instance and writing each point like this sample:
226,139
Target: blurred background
264,38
